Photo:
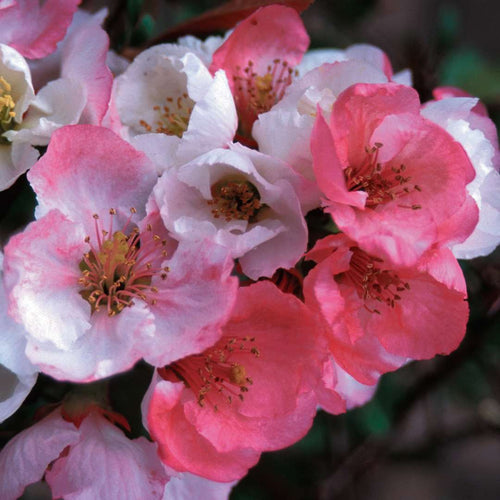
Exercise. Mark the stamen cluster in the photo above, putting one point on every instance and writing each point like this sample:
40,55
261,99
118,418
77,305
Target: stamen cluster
173,117
7,105
235,200
373,283
382,184
260,93
213,375
118,271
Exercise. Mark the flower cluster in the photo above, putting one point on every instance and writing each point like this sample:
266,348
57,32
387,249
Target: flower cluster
175,197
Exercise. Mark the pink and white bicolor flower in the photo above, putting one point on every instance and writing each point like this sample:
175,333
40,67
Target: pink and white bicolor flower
96,280
238,198
80,457
393,181
466,120
172,108
214,413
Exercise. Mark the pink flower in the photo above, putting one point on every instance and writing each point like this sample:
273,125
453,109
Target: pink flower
258,58
96,283
81,456
34,29
214,413
394,182
378,314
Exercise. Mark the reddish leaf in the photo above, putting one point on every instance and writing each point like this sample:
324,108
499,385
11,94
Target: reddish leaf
224,17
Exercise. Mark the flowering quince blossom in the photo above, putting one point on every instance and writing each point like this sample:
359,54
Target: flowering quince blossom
34,28
213,413
93,284
17,374
80,95
238,198
379,314
172,107
82,455
466,120
393,181
259,57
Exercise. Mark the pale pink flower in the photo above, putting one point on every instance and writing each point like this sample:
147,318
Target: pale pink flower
34,28
172,108
380,315
259,57
97,284
213,413
81,457
393,181
465,119
238,198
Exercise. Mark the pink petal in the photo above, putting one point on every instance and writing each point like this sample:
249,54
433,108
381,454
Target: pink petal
35,29
26,457
88,170
104,463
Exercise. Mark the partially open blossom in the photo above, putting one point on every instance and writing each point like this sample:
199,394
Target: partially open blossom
81,456
34,28
394,181
213,413
378,314
17,374
464,118
238,198
172,107
97,282
259,58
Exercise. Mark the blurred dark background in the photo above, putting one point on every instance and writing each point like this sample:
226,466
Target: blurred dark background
433,429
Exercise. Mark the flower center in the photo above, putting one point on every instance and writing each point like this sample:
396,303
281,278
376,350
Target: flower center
235,200
214,375
172,117
118,269
373,283
7,105
255,94
382,185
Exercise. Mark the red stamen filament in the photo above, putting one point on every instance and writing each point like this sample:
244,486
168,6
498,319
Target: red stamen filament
259,93
381,184
373,283
214,375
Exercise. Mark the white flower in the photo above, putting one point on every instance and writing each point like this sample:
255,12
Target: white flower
173,108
